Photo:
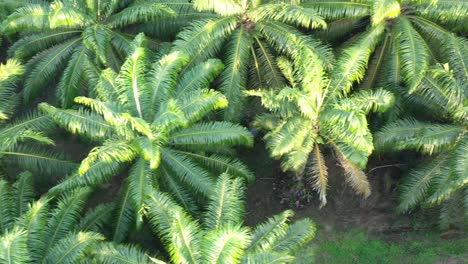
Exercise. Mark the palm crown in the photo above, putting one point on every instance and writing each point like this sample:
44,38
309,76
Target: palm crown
314,111
221,238
33,232
72,35
151,118
416,34
249,32
443,179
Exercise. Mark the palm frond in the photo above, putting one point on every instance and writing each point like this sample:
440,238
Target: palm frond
124,216
202,39
30,17
97,219
332,10
319,174
23,193
63,218
6,207
198,77
222,7
79,121
141,12
289,14
187,171
218,164
225,206
417,185
384,9
38,159
356,178
42,68
73,247
411,134
73,78
225,245
376,100
110,253
198,103
163,78
212,134
234,76
352,64
267,234
413,53
111,151
178,231
297,236
13,247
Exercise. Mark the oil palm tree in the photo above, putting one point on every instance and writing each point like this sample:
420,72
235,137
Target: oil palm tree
152,119
416,35
443,179
23,141
221,237
65,38
249,33
317,111
35,232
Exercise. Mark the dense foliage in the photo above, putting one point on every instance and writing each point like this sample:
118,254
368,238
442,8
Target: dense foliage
159,94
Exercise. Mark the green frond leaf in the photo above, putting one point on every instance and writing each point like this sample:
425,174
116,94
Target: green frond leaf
289,14
413,53
13,247
267,234
63,218
81,121
352,64
187,171
234,76
198,77
124,217
211,135
97,219
23,193
418,182
225,245
218,164
411,134
6,206
43,69
225,207
110,253
384,9
141,12
332,10
72,248
198,103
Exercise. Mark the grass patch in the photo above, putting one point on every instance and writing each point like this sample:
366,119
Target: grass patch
358,247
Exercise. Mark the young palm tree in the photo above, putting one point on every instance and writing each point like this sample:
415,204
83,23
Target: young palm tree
416,34
151,118
315,111
249,33
23,141
220,236
72,35
32,232
443,179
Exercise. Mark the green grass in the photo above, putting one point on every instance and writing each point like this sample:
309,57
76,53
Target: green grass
357,247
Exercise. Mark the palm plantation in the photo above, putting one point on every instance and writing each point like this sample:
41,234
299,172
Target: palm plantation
154,131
